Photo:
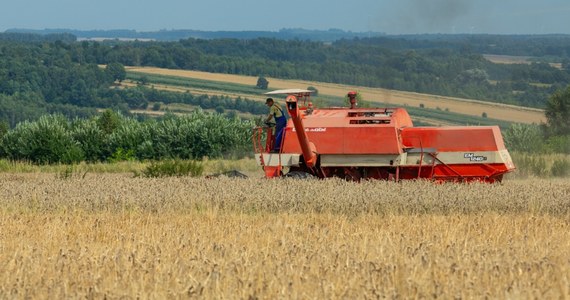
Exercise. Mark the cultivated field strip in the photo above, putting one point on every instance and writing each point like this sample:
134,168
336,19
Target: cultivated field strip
113,236
457,105
259,97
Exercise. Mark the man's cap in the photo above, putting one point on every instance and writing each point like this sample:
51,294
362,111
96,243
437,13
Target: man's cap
268,100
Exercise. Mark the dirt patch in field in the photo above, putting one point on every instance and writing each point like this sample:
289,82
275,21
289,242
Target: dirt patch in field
170,88
457,105
507,59
511,59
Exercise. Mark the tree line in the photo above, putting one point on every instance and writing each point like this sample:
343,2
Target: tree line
438,68
442,71
38,78
111,136
177,34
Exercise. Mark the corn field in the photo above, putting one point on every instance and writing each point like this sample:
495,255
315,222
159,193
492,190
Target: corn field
114,236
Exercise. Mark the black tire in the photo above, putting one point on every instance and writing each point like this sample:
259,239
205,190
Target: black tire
299,175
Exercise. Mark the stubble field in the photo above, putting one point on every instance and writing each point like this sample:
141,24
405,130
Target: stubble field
113,236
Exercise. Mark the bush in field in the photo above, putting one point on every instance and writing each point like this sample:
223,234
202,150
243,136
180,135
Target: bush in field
187,137
45,141
122,155
91,138
212,135
131,135
530,165
524,138
197,135
560,168
172,137
176,167
559,144
262,83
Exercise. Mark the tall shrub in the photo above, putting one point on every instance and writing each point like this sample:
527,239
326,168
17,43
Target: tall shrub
91,138
524,138
45,141
132,136
198,135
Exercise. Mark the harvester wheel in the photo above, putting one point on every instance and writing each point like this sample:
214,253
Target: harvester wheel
298,175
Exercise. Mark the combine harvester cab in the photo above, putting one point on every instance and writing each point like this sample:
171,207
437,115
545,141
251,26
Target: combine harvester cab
377,143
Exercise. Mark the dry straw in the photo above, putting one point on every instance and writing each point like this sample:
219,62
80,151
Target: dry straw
116,236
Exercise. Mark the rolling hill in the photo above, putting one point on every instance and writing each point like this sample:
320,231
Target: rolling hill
468,107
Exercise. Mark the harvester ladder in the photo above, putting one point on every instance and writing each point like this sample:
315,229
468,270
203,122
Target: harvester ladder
260,149
422,152
258,143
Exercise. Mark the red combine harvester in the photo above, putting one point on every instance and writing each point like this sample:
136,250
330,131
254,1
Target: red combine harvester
377,143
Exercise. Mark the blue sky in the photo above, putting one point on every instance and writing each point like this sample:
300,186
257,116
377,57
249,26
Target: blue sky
390,16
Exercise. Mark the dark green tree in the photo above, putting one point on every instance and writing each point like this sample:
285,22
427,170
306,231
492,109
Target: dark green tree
116,71
558,113
108,121
262,83
314,89
4,127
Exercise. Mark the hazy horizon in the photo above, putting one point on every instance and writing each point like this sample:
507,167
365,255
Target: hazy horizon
404,17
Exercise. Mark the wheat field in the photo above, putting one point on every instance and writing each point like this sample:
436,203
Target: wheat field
115,236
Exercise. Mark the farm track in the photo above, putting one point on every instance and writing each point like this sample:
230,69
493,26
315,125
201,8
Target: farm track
457,105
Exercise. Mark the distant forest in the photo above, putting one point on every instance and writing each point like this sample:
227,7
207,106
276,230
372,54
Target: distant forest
56,73
175,35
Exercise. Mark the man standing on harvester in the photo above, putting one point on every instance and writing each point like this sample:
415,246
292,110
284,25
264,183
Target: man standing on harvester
276,115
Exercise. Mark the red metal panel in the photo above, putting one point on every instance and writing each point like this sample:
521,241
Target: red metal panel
290,141
325,139
402,118
358,139
371,139
332,132
328,141
443,139
467,172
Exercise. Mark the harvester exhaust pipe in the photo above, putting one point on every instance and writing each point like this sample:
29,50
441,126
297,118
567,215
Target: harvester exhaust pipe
308,148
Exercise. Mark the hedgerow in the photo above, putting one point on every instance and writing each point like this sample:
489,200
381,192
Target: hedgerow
55,139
